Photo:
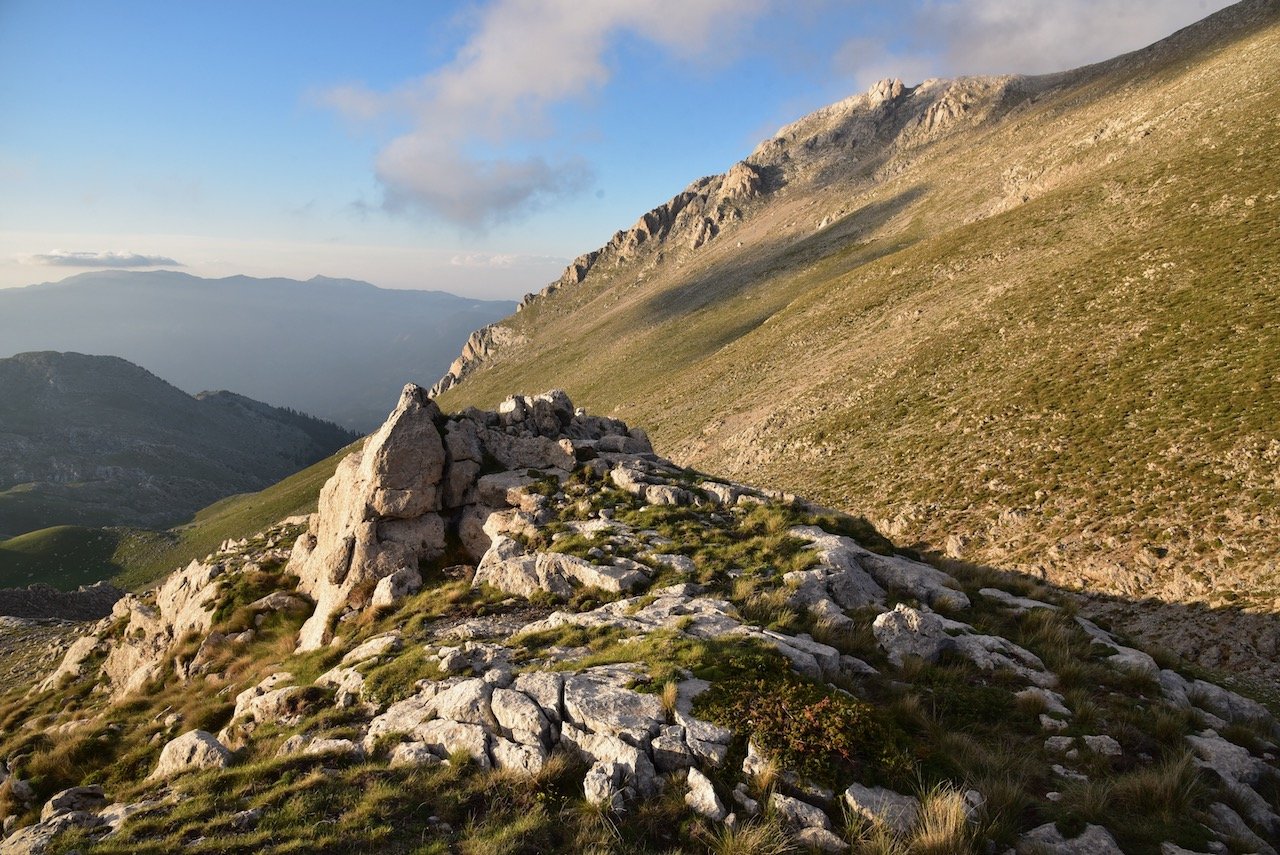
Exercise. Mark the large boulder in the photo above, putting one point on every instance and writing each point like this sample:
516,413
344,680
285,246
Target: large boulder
193,750
374,514
89,798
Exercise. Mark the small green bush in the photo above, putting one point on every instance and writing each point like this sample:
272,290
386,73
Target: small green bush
821,733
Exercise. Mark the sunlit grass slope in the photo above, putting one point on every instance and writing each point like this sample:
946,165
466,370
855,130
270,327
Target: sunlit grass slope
1047,341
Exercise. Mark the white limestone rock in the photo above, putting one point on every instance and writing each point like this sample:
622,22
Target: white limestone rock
702,798
640,774
87,798
1047,840
520,719
797,813
602,785
595,703
1016,605
910,632
413,754
309,746
445,737
526,758
193,750
546,689
880,805
73,661
468,702
347,685
372,648
396,476
822,840
394,588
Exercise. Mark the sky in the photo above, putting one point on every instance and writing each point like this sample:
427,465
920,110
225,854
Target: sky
472,147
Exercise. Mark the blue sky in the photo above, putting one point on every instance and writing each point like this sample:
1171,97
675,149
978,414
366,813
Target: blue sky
472,147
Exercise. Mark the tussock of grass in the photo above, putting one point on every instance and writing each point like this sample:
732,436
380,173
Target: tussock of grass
754,837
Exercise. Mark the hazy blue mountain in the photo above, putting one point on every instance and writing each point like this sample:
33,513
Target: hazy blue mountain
96,440
336,348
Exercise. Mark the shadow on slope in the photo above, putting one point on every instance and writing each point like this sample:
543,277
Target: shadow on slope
735,275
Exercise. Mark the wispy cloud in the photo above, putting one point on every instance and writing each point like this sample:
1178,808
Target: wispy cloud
62,258
955,37
466,157
504,260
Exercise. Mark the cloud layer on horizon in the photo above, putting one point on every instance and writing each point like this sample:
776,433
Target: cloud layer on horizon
63,258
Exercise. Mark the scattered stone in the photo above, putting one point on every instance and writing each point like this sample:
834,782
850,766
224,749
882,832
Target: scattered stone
702,798
1016,605
391,589
309,746
1229,824
1054,703
602,785
193,750
279,601
798,814
113,816
1095,840
379,645
907,632
1104,745
821,839
89,798
879,805
413,754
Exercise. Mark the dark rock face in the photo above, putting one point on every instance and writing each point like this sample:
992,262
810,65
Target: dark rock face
88,602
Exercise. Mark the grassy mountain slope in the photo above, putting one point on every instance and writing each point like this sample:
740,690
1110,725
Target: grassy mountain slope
68,556
1042,336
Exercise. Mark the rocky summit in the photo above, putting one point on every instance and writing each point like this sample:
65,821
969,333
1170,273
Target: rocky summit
524,631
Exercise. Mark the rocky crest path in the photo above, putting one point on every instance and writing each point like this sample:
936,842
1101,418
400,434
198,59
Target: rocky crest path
523,630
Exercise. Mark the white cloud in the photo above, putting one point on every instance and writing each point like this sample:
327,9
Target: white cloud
62,258
459,160
958,37
504,260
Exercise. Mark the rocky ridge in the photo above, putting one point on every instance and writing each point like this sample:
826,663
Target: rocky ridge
859,135
533,596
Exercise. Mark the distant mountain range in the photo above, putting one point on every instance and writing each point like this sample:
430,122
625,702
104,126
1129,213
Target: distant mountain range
336,348
96,440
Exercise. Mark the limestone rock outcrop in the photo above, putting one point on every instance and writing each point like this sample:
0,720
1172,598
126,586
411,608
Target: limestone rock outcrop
420,478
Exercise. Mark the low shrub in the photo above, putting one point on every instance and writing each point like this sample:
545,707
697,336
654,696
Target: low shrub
817,731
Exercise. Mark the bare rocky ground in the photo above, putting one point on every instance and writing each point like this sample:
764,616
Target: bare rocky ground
30,647
523,630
